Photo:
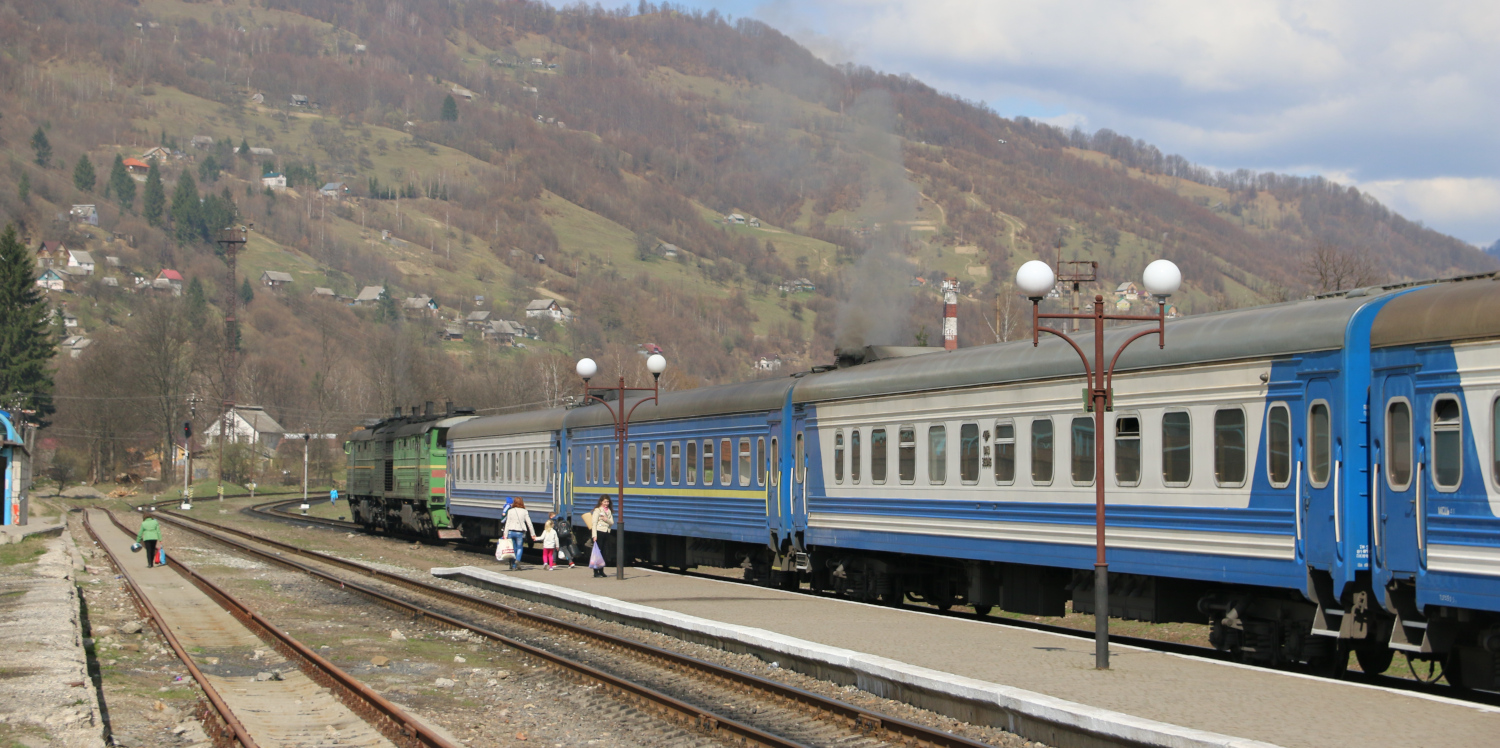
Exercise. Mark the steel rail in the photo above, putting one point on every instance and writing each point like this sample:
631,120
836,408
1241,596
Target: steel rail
218,720
863,719
389,719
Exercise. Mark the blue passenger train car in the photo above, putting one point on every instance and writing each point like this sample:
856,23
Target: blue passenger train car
1312,479
15,470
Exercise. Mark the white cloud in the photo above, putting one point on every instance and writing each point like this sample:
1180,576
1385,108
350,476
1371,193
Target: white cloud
1401,97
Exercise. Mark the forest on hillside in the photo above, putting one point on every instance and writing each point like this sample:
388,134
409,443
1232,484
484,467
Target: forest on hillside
480,136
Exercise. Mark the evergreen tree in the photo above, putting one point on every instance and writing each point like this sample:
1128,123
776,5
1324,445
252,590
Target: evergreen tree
247,292
83,174
187,211
208,169
23,188
450,109
42,147
244,149
120,184
27,344
197,304
385,309
154,202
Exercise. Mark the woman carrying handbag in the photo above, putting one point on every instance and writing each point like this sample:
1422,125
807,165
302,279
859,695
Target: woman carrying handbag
600,522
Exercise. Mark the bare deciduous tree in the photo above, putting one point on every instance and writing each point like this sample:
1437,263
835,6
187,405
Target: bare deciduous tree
161,346
1334,268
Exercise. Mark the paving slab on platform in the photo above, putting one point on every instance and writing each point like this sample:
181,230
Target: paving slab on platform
1149,697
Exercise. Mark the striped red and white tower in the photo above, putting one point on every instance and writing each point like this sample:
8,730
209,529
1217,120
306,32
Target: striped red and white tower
950,314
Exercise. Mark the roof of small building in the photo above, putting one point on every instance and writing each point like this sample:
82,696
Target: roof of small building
505,327
321,291
298,97
259,419
539,304
51,246
478,316
278,276
271,175
80,256
169,274
331,186
132,161
417,302
370,293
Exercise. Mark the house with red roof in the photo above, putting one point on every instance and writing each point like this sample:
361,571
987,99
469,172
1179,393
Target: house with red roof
168,280
137,167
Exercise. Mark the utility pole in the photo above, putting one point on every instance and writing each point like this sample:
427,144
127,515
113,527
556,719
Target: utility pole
1076,272
231,239
305,438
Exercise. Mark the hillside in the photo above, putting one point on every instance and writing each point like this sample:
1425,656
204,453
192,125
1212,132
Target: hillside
591,157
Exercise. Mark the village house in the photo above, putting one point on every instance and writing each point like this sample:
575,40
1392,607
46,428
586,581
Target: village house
669,251
258,98
75,345
137,168
111,261
202,141
797,286
320,292
248,424
462,92
505,332
51,254
768,364
548,309
369,295
168,280
452,332
88,214
300,101
274,180
157,153
423,305
259,151
275,278
52,280
735,219
1128,291
69,320
111,281
479,319
333,189
81,261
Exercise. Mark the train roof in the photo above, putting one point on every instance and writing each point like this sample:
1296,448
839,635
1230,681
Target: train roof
395,428
1275,330
1440,312
725,399
512,423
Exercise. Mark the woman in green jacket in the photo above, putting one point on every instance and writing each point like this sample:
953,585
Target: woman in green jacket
149,533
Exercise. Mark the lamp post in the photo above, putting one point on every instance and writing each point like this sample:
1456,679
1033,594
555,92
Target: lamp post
1162,278
656,364
305,439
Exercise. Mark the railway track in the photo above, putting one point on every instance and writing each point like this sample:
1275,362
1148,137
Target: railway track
276,510
219,719
747,709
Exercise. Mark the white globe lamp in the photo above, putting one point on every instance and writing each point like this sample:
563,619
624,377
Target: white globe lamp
1036,279
656,364
587,368
1162,278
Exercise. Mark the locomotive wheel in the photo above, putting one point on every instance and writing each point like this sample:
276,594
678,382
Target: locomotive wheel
1374,660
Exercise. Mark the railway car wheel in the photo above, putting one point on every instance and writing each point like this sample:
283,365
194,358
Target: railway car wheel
1374,660
982,610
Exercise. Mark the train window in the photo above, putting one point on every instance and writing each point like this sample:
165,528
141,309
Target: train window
484,470
510,467
1176,448
708,462
968,453
692,463
1229,447
800,473
1447,443
645,464
1127,450
745,462
773,462
529,461
838,456
588,464
1081,442
1495,441
878,456
937,455
630,464
854,455
906,454
676,463
661,463
1041,451
1005,453
1279,445
608,465
760,449
726,461
1320,443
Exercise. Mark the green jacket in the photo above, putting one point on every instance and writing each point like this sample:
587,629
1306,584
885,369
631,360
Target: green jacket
150,530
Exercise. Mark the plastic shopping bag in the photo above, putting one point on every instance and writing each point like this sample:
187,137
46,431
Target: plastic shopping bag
596,559
505,552
161,556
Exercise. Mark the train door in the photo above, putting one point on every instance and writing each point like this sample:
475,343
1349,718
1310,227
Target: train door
797,496
1396,535
1321,474
776,526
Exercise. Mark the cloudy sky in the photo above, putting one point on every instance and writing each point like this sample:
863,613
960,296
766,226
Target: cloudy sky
1399,99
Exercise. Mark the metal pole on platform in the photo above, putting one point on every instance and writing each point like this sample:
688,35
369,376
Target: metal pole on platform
656,364
1162,278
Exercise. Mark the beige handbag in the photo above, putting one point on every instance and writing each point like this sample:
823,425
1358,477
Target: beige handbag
588,521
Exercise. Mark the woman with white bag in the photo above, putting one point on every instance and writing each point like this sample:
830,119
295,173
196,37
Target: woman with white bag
517,527
600,522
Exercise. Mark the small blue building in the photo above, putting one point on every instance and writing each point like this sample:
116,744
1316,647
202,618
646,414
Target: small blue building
15,466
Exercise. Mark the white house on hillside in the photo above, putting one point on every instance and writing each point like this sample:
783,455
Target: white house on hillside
547,309
249,424
81,260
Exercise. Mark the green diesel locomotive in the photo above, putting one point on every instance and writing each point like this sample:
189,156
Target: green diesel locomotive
398,472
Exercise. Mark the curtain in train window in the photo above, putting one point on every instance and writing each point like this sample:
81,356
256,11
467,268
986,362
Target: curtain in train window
906,454
676,463
1176,448
661,463
854,455
878,456
1128,450
1081,441
608,464
726,461
968,453
764,462
1005,453
630,463
588,464
692,463
1041,451
746,461
838,456
645,463
1229,447
1319,443
1447,443
937,455
1279,445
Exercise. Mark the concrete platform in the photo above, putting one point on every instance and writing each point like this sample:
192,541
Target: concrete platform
1042,686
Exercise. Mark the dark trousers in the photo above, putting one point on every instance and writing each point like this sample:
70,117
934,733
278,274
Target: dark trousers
607,548
150,552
